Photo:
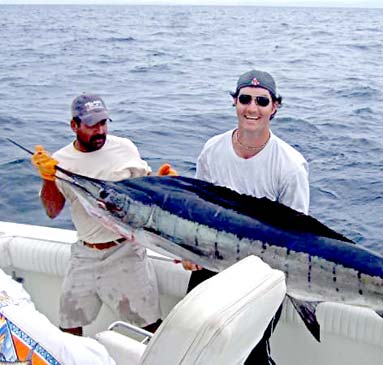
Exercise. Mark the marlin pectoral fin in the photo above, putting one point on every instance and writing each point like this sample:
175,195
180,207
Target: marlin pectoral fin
379,313
307,311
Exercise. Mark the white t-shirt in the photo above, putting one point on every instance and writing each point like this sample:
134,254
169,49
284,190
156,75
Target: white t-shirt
278,172
117,160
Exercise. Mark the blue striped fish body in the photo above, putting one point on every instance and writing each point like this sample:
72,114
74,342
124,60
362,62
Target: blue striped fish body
215,227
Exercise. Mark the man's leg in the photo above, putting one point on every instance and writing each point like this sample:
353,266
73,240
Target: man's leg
261,352
79,302
198,276
153,326
128,285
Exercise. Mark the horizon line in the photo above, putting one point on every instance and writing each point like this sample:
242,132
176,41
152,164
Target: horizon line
170,3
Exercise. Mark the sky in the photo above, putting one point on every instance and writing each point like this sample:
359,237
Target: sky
318,3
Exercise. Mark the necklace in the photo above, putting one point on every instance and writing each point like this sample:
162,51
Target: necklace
257,148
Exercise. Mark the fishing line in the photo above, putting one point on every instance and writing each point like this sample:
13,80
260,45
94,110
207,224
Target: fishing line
66,172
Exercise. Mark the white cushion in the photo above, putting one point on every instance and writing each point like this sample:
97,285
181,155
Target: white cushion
33,329
5,259
123,349
222,319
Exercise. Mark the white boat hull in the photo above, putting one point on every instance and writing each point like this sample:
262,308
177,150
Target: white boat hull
38,256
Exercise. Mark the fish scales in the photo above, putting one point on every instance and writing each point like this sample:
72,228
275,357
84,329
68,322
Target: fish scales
215,227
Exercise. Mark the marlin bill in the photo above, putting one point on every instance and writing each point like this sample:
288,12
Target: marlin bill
215,227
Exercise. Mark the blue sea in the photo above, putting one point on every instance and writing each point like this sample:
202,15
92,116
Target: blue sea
165,74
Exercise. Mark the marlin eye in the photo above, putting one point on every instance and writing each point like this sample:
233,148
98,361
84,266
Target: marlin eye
103,194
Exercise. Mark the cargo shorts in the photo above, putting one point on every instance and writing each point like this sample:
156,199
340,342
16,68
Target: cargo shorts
122,277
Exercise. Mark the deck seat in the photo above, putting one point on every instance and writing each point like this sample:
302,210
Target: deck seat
219,322
46,250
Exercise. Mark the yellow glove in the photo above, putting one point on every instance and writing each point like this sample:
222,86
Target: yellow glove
166,170
44,163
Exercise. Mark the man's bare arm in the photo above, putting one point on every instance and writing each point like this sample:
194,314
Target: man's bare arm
52,199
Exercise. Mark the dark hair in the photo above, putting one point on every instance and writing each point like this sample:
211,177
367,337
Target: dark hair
77,120
277,99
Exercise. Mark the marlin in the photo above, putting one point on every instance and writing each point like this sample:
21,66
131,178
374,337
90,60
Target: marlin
215,227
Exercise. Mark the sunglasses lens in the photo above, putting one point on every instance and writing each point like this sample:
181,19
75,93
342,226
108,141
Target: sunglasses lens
244,99
262,100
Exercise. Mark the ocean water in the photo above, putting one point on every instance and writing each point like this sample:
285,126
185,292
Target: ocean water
165,74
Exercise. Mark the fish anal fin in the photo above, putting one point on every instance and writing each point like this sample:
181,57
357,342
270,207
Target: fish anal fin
306,310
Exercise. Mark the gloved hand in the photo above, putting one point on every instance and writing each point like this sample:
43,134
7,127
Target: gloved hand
166,170
44,163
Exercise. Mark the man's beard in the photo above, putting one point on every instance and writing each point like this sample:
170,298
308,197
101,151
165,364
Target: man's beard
95,142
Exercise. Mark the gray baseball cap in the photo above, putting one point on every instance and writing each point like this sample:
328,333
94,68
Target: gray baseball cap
90,109
256,78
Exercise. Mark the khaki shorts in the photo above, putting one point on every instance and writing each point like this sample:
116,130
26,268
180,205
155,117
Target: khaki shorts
121,277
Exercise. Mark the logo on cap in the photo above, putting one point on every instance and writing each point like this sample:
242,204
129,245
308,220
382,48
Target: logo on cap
255,82
92,105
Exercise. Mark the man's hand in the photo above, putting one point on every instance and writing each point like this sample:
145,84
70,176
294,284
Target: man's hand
45,164
188,265
166,170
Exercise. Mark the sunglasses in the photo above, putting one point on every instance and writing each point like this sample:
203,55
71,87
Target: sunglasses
245,99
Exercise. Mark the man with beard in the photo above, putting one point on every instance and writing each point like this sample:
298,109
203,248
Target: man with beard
104,267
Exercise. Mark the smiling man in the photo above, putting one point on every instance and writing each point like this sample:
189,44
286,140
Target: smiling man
104,267
252,160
